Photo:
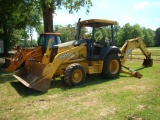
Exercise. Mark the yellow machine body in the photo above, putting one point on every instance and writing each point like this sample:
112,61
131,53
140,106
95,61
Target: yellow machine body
74,60
40,77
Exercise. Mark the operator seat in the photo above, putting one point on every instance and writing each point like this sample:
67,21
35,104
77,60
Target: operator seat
102,41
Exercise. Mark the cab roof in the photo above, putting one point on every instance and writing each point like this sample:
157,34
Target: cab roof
98,22
57,34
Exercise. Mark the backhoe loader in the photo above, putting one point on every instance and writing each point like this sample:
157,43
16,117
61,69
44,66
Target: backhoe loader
127,49
32,53
74,59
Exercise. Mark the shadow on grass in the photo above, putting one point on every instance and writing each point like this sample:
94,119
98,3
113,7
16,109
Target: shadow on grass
90,80
58,84
26,92
141,68
23,90
5,77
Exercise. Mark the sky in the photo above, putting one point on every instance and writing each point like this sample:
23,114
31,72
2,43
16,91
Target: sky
146,13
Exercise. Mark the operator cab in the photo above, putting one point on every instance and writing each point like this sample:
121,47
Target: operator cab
99,37
43,40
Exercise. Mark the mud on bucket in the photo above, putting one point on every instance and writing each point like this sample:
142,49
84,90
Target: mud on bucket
33,76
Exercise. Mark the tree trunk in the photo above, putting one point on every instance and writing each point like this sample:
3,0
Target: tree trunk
47,18
5,39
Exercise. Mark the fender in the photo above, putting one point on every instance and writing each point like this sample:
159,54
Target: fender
109,49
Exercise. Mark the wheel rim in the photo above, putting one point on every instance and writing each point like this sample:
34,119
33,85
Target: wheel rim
114,66
77,76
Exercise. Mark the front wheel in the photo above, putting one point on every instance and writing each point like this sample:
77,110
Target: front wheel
74,74
111,66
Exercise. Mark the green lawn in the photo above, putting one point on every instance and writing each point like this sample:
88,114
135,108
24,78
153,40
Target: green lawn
96,99
137,54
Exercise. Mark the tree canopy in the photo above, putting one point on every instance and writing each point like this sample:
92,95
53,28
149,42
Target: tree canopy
16,15
50,6
128,32
157,37
150,37
20,14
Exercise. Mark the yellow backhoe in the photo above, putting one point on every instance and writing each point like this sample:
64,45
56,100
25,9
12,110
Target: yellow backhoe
74,59
127,49
32,53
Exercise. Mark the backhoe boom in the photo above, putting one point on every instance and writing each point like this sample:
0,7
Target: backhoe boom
127,49
131,45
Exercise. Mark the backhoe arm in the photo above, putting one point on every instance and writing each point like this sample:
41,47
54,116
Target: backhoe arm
131,45
144,49
126,50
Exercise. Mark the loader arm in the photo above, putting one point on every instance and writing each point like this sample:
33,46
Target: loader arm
60,59
35,54
22,56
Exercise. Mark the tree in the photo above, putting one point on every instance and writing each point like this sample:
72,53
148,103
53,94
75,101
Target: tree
136,31
49,7
152,35
117,29
67,33
18,14
157,37
21,13
148,39
123,34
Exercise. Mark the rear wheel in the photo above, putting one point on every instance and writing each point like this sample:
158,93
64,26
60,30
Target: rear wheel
74,74
111,66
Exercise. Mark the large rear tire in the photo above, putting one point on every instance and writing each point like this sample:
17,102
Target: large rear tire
74,74
111,66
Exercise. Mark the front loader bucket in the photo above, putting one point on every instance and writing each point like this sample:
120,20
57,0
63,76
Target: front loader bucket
147,63
34,75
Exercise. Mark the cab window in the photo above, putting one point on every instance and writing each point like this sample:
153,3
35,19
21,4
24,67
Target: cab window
58,40
41,41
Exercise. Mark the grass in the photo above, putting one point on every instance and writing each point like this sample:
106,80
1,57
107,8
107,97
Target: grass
96,99
137,54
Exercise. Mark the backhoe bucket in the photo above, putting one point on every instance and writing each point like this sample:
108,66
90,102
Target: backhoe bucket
147,63
34,75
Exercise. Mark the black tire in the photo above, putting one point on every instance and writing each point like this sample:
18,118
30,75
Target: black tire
74,74
111,66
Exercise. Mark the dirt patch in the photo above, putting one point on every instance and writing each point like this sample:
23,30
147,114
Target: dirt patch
135,88
90,103
39,104
142,107
107,111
